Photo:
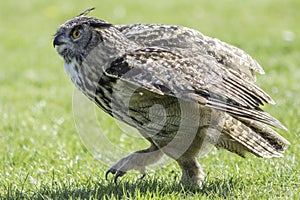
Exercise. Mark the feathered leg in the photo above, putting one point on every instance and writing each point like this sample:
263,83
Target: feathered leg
192,173
137,161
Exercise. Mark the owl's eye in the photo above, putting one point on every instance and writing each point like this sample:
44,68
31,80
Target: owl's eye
76,33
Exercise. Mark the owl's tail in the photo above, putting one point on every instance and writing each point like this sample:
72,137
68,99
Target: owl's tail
242,135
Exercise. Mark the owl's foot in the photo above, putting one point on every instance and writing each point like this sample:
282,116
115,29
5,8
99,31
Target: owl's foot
192,173
135,161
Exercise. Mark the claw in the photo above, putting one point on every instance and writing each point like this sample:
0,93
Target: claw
135,161
118,174
113,171
143,176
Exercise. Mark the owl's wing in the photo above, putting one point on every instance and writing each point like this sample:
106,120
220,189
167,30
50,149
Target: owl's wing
208,83
190,42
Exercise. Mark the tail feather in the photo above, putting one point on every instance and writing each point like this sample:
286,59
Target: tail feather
242,135
277,141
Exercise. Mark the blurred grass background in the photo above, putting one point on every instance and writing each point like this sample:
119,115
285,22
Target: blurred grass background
42,155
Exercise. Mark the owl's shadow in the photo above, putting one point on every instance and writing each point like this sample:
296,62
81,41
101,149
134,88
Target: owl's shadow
139,188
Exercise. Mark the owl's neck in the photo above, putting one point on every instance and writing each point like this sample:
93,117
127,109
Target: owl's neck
115,43
106,46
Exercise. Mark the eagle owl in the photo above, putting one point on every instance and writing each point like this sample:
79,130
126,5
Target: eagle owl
179,88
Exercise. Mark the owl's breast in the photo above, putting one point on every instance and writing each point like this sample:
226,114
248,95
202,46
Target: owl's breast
72,70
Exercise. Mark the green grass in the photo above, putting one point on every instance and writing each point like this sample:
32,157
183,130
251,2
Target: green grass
42,155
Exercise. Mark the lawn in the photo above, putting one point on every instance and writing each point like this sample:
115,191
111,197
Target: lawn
48,148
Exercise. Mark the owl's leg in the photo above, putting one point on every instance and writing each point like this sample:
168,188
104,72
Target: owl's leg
137,161
192,173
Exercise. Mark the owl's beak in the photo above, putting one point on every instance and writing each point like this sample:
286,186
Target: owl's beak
58,40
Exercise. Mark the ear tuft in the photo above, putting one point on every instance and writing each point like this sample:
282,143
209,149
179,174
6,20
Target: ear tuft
84,13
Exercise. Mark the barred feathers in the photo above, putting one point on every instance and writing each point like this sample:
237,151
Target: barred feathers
243,135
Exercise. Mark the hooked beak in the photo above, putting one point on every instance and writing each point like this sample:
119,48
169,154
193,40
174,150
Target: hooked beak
58,40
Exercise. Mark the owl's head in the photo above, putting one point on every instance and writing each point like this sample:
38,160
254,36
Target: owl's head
77,36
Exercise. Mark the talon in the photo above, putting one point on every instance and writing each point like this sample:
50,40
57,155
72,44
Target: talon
118,174
113,171
143,176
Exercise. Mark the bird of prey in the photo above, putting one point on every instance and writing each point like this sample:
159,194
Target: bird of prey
179,88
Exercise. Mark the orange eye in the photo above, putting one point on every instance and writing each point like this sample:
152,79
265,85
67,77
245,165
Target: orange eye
76,33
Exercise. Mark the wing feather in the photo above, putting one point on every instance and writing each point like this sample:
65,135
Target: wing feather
166,73
190,43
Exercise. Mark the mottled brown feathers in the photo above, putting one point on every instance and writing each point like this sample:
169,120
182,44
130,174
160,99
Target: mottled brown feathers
179,88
